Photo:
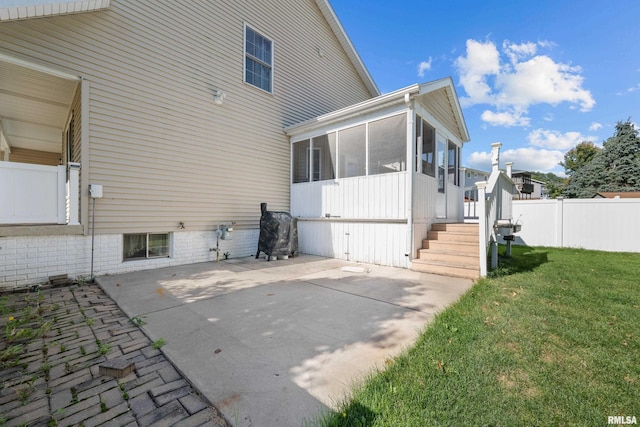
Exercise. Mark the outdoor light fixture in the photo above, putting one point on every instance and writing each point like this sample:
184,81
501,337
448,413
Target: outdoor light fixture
218,96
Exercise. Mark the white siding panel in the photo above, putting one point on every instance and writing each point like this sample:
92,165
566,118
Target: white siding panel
379,196
164,151
374,243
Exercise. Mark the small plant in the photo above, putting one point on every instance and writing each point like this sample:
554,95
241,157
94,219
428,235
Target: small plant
10,356
104,348
67,366
63,348
81,280
226,255
138,320
90,321
103,406
74,395
83,351
158,343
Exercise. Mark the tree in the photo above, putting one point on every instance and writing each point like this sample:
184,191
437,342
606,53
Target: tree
579,156
615,168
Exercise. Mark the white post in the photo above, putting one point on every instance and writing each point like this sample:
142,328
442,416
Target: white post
495,156
509,166
462,183
60,200
73,194
482,226
560,222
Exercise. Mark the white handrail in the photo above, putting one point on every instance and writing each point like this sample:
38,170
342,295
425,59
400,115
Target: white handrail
494,203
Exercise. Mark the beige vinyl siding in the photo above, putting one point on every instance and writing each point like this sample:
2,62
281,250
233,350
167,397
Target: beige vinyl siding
440,106
23,155
163,150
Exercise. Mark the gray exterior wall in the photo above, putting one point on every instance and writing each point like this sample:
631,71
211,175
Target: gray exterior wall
153,136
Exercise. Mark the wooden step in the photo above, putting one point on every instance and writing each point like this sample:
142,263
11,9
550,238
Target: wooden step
453,236
446,269
449,257
466,248
457,227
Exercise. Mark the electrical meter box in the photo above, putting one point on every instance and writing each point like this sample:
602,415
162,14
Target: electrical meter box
95,191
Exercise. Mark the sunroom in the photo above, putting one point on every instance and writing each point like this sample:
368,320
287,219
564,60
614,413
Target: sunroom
368,181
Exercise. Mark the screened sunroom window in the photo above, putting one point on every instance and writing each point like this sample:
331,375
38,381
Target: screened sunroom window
427,150
387,145
145,245
258,60
314,159
353,151
453,163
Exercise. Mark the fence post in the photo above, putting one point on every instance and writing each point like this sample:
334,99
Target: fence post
482,226
61,211
73,194
462,183
560,222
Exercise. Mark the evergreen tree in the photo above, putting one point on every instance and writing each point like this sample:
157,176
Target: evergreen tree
615,168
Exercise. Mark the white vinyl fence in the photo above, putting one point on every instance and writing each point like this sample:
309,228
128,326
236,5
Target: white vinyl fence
611,225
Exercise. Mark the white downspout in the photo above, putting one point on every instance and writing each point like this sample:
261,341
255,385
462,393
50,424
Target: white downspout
411,158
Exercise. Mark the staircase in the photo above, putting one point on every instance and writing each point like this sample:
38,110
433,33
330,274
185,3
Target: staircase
450,250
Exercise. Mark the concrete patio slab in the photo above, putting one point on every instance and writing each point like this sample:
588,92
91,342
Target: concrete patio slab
277,343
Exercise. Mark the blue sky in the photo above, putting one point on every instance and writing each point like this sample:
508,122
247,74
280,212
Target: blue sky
538,76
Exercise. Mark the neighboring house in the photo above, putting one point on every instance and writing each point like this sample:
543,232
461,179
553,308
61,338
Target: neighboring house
617,195
529,188
132,131
471,177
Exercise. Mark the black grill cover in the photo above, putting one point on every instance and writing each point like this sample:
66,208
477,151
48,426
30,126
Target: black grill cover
278,233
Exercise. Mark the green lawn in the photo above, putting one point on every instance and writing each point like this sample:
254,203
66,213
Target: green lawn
551,338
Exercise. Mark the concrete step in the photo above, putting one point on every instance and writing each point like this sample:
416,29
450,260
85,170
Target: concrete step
453,236
466,248
448,257
457,227
445,269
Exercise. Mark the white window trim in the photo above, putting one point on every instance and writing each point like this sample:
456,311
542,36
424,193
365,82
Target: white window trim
244,58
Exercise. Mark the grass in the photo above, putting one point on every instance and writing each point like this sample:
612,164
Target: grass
550,339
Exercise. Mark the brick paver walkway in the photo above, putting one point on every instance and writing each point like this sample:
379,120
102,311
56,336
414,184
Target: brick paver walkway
53,343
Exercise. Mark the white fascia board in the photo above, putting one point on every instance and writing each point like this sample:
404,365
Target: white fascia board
382,101
16,13
37,67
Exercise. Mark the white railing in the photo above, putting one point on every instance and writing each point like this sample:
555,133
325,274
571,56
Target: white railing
494,207
38,194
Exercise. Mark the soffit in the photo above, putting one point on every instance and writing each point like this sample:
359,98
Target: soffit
34,107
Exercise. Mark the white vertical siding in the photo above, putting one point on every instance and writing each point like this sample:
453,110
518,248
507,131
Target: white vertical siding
377,196
375,243
601,224
164,151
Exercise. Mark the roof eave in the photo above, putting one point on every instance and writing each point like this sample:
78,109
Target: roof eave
18,13
377,103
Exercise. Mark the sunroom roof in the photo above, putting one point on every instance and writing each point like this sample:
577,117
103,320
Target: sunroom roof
438,91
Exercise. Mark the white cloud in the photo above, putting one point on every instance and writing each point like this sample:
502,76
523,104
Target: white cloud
482,60
505,118
595,126
526,78
554,139
517,52
424,66
530,159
